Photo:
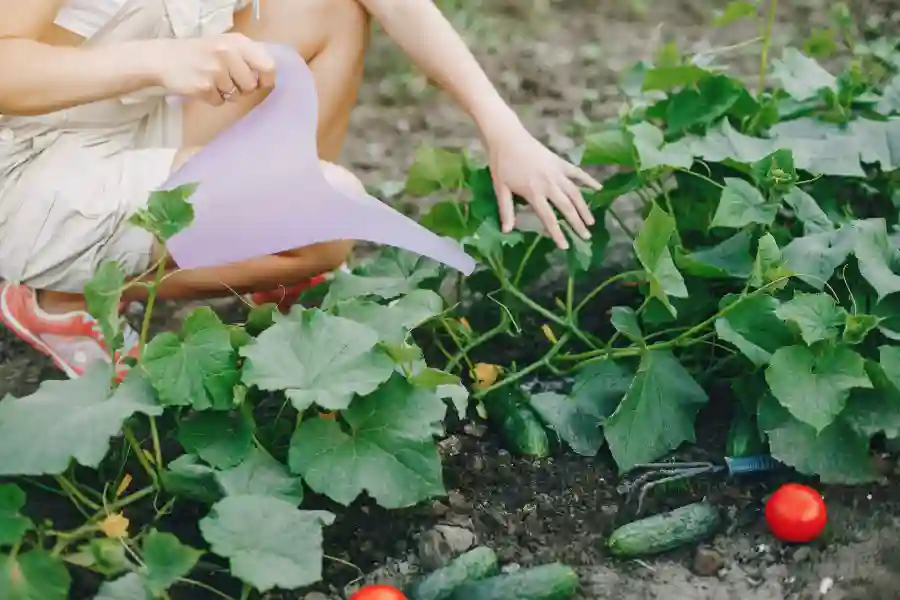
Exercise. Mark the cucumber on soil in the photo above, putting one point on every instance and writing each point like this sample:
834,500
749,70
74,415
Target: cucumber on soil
666,531
508,410
548,582
474,565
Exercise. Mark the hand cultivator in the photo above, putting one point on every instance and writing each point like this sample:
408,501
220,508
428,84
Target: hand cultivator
657,474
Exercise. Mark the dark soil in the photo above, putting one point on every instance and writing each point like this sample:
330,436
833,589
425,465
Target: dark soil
557,65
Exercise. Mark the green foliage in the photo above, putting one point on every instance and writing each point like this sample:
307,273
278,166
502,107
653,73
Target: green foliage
200,418
767,263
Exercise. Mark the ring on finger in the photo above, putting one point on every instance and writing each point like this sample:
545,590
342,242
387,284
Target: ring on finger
229,95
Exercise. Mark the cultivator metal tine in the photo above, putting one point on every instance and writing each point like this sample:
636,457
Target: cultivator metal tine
661,474
673,475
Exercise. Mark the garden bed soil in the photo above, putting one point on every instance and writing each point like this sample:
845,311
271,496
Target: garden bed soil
562,508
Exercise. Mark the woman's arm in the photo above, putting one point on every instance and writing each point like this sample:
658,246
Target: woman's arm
520,165
36,78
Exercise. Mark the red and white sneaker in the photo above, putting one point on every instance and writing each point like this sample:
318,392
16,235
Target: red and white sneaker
72,340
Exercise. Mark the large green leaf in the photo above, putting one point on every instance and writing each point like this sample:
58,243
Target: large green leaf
877,410
836,454
33,575
393,273
609,147
317,358
268,542
576,419
814,258
657,414
742,204
435,169
802,77
261,475
197,367
166,560
127,587
221,439
875,255
167,213
389,450
730,258
69,420
808,211
103,295
817,316
753,327
394,322
814,386
653,152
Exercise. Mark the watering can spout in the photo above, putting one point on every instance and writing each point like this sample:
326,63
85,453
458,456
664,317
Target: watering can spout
261,177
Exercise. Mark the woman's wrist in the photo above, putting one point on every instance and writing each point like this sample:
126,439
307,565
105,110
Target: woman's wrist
495,120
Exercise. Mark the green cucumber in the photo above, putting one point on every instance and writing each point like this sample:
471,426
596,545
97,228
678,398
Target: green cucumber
508,410
666,531
474,565
549,582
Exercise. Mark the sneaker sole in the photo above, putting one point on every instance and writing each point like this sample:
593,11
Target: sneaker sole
35,342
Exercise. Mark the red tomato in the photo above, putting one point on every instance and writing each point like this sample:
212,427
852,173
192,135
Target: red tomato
378,592
796,513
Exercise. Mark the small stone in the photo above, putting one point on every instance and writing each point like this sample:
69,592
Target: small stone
458,502
439,509
801,554
457,538
434,551
476,430
707,562
316,596
507,554
450,446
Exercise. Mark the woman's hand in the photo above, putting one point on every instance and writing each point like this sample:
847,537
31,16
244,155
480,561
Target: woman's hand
522,166
213,69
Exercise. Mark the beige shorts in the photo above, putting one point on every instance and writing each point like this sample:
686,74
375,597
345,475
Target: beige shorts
70,180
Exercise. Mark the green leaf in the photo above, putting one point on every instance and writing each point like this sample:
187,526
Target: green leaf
69,420
33,575
166,560
389,450
435,169
102,295
657,414
197,367
653,152
602,383
446,385
652,249
393,273
808,211
393,323
168,212
735,11
489,240
877,410
814,258
817,316
221,439
13,525
268,542
814,387
669,78
837,454
701,106
128,587
580,255
768,266
610,147
875,255
857,327
187,477
802,77
317,358
261,475
753,327
730,258
447,219
890,99
576,419
776,171
625,320
742,204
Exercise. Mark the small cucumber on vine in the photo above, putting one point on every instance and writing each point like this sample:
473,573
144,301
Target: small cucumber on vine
509,412
548,582
474,565
666,531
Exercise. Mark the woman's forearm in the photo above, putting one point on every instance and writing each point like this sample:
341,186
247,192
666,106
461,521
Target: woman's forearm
423,33
37,79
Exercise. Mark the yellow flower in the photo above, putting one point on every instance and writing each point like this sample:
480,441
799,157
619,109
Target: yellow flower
115,526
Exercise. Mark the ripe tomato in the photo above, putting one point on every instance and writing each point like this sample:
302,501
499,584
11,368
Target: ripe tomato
796,513
378,592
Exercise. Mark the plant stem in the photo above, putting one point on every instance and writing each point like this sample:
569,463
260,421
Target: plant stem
767,44
75,494
209,589
521,270
593,293
481,339
157,448
518,375
151,302
568,325
703,177
136,448
458,343
570,297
